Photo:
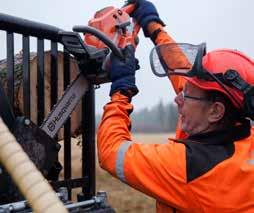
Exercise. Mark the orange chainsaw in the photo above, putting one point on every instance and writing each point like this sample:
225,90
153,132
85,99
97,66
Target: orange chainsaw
110,30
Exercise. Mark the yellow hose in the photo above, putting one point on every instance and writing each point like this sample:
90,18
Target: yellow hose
35,188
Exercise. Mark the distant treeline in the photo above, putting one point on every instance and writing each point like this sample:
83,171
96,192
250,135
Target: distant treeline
160,118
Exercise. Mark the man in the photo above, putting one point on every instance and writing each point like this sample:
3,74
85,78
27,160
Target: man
209,167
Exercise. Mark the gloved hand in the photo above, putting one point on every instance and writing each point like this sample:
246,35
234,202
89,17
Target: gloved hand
122,72
146,13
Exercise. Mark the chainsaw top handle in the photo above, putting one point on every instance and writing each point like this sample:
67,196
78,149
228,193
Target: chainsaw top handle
129,6
100,35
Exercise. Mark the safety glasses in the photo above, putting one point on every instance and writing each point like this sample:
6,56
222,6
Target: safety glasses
185,96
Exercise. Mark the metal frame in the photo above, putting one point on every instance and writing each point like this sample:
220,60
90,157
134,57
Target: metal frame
14,25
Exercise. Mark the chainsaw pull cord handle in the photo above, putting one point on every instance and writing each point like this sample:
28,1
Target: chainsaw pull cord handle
102,36
39,194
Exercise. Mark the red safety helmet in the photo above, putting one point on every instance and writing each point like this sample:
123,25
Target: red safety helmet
227,71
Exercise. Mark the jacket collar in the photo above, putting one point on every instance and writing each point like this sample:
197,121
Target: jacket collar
230,135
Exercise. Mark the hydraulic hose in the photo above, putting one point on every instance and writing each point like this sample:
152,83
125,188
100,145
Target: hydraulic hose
34,187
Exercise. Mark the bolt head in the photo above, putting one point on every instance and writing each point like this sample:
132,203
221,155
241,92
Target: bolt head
27,122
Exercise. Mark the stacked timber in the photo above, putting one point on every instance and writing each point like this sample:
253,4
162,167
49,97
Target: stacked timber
18,91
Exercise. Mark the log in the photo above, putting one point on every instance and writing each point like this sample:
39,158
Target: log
18,91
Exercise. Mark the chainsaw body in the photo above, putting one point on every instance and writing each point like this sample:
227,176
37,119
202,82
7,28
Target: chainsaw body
110,30
116,24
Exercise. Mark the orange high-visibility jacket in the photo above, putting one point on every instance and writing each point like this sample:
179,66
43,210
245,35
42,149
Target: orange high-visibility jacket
214,175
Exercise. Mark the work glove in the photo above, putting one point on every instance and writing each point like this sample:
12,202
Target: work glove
145,13
122,72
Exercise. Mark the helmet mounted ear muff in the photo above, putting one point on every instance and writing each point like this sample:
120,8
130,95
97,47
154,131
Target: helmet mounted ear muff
184,59
233,78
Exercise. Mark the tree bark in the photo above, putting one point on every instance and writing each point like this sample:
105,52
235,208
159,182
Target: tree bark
18,91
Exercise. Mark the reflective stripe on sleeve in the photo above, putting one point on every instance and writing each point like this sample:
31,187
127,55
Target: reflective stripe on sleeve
120,160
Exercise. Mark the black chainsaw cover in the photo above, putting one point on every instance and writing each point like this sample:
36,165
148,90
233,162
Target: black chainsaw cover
41,149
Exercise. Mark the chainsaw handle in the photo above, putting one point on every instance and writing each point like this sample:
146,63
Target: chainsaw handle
130,2
100,35
129,7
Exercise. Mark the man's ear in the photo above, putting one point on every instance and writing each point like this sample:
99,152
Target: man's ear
216,113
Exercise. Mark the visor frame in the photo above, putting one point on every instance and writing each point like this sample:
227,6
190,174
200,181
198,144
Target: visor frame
197,71
162,61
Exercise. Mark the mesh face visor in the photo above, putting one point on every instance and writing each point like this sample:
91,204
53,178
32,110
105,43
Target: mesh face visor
185,59
175,58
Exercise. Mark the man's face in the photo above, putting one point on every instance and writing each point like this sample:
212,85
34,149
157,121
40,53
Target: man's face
193,108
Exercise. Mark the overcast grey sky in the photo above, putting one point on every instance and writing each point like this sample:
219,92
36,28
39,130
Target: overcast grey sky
220,23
